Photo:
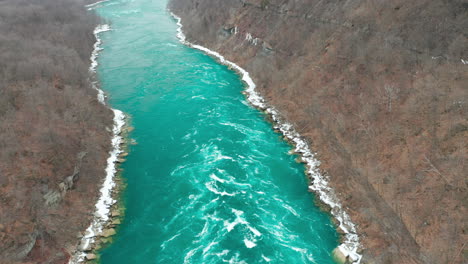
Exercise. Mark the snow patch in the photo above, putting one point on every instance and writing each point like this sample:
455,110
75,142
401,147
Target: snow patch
251,39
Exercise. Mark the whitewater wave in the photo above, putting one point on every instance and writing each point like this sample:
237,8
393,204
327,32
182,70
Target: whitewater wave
216,178
210,186
249,244
319,183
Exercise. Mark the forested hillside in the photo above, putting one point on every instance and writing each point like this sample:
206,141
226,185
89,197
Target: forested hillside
53,131
379,89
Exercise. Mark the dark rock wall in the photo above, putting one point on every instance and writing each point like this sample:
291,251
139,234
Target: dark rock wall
380,90
53,138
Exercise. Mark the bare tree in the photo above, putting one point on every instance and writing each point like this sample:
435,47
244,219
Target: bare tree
390,93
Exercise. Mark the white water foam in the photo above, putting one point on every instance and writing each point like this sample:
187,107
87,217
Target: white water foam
211,188
249,244
101,216
207,248
163,245
94,5
250,241
222,253
190,254
214,177
266,258
319,183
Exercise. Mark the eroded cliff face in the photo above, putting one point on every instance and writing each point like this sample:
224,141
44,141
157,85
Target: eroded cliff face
379,89
54,137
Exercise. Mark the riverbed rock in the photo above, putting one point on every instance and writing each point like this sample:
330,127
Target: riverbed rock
79,235
108,232
83,247
115,213
90,256
104,240
338,256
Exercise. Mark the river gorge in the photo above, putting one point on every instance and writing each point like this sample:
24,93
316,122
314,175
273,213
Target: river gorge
209,180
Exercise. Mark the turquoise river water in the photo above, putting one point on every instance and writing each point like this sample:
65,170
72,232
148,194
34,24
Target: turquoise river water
209,180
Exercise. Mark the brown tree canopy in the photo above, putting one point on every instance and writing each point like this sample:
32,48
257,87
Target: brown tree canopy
49,117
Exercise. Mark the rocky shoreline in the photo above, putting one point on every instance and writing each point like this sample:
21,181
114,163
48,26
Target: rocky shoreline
109,210
349,251
100,234
385,109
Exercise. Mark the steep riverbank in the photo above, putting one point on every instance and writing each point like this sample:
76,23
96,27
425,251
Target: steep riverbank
381,99
54,132
102,215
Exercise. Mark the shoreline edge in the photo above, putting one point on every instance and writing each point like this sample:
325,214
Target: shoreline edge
102,215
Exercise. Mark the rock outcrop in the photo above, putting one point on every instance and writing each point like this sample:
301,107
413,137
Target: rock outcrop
379,89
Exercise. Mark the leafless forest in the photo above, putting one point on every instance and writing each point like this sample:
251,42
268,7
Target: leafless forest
53,136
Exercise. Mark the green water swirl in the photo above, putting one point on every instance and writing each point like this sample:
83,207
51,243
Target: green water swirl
209,180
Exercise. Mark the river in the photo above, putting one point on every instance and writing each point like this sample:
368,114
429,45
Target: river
209,180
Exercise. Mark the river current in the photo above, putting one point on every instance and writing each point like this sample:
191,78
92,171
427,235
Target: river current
209,180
